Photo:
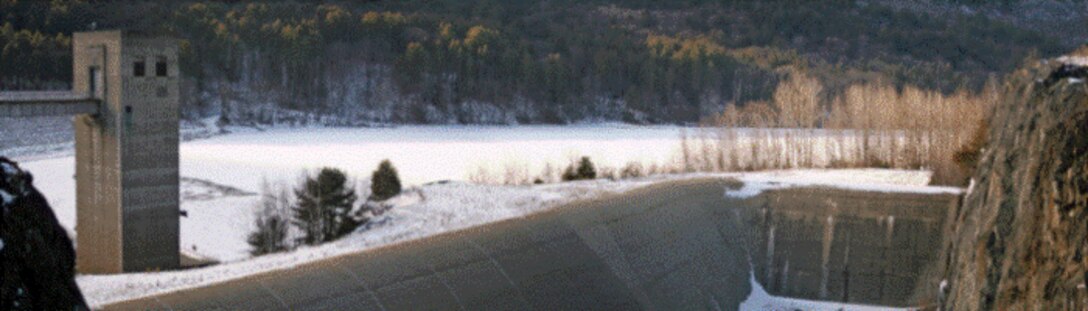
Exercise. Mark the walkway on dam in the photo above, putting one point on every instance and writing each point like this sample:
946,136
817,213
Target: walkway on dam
669,246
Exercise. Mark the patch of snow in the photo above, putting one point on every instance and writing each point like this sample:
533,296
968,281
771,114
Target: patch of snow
1075,80
55,179
875,180
752,189
8,169
1074,60
760,300
6,198
218,228
942,290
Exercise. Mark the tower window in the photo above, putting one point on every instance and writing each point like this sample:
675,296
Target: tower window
138,68
160,67
92,81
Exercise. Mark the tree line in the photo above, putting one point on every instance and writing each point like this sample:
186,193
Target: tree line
516,61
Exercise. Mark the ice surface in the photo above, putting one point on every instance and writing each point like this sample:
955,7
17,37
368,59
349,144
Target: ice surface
421,154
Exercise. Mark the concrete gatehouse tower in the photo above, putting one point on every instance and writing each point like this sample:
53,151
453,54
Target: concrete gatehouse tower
126,153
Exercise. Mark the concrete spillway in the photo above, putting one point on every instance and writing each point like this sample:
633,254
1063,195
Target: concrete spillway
673,246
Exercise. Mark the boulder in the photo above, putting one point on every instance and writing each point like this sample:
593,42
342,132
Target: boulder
37,261
1019,241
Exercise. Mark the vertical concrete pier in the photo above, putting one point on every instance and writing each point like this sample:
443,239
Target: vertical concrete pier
126,154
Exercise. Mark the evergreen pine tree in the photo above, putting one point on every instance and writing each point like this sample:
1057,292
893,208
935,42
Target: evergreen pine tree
586,169
325,202
384,184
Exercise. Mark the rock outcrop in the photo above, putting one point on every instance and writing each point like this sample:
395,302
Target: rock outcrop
1020,239
37,261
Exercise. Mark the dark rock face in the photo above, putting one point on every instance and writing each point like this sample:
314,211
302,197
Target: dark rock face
37,261
1020,240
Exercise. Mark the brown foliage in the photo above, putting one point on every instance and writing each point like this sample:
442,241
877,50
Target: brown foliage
868,125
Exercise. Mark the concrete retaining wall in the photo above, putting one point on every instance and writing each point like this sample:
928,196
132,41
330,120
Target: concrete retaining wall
837,245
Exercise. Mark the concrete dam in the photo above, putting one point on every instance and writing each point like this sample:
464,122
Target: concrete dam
671,246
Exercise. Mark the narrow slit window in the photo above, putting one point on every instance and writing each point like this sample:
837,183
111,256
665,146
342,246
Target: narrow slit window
92,81
160,67
138,69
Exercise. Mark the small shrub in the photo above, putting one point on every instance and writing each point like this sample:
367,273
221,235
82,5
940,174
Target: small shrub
547,175
584,170
384,183
631,170
608,173
270,234
515,174
481,176
569,174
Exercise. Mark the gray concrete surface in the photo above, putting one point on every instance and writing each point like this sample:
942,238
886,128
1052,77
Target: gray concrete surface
861,247
674,246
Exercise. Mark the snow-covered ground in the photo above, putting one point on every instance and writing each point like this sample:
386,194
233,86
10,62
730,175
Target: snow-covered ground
875,180
223,173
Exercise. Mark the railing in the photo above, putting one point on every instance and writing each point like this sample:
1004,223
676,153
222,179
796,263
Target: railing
21,104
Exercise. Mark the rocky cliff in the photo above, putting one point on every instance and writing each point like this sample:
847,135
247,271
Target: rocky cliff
1020,239
37,261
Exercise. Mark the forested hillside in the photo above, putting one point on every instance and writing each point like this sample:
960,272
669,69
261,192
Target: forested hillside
558,61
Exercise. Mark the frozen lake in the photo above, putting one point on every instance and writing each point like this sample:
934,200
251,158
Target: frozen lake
420,153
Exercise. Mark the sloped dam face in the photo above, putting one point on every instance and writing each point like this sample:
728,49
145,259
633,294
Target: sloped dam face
673,246
847,246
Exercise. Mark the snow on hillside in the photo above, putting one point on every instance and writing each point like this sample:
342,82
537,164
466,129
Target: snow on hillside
1074,60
